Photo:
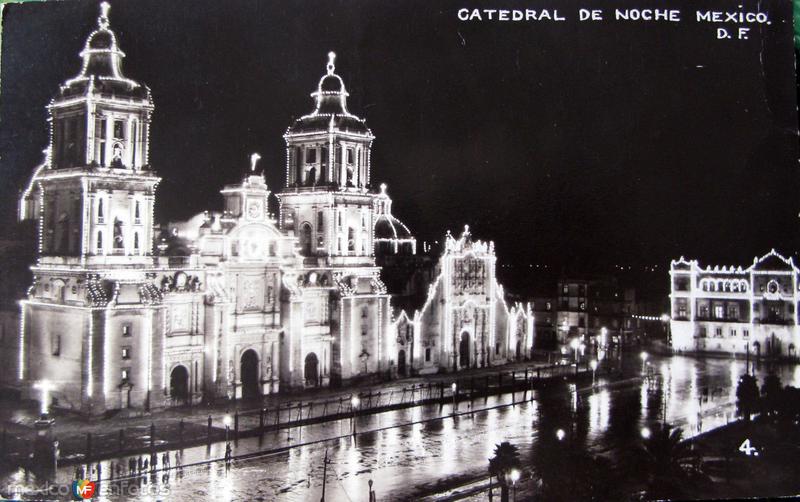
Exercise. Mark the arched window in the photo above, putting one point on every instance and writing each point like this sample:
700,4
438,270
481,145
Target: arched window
137,213
298,161
305,239
63,223
100,241
134,140
100,215
351,239
136,241
323,173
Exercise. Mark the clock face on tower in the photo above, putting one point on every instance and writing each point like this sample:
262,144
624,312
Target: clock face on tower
253,245
254,209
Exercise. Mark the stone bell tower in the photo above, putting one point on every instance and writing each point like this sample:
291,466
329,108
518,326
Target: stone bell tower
328,198
90,319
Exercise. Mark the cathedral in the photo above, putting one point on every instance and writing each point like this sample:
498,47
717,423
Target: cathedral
233,303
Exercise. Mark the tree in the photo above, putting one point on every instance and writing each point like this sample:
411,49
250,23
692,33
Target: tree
506,458
569,473
771,393
789,405
747,396
669,462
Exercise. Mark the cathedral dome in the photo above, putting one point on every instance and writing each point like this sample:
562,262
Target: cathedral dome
389,227
331,108
101,71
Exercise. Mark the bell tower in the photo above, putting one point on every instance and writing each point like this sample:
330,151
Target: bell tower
95,192
90,323
328,198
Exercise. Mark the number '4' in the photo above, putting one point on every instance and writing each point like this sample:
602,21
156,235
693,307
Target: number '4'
746,448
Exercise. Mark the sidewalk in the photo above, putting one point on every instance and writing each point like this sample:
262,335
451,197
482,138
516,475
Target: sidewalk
86,437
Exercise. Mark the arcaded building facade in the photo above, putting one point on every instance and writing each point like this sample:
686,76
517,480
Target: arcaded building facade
233,303
736,310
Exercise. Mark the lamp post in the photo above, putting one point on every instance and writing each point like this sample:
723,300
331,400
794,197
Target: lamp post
454,388
44,386
227,421
514,476
324,475
593,364
574,343
353,405
665,318
560,434
603,343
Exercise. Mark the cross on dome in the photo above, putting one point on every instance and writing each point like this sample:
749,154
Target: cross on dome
330,67
102,21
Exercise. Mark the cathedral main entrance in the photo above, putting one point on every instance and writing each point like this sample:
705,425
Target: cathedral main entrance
463,350
312,370
179,384
249,373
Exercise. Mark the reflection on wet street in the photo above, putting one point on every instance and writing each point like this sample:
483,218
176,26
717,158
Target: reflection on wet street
406,460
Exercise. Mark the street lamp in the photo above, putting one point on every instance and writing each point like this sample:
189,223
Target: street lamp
227,420
575,344
514,476
593,364
560,434
643,355
645,433
45,386
353,405
454,387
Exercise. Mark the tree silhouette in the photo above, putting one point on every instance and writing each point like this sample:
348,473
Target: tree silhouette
747,396
789,405
669,462
506,458
771,393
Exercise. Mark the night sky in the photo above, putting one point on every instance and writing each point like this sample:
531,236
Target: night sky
572,144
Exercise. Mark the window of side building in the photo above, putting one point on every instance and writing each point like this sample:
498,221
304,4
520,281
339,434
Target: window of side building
55,344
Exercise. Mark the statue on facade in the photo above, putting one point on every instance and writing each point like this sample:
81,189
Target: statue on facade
118,240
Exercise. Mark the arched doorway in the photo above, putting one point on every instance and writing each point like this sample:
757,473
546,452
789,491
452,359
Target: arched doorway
305,239
179,384
401,363
312,370
463,350
757,347
774,348
249,374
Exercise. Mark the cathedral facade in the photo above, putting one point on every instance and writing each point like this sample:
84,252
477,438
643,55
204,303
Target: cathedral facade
232,303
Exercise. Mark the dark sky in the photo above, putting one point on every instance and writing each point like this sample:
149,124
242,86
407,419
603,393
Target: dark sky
572,144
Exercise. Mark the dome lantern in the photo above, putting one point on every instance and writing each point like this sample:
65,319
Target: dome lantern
101,71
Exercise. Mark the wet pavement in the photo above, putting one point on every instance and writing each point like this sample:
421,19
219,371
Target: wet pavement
408,452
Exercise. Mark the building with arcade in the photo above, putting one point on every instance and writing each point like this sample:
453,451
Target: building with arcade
736,310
